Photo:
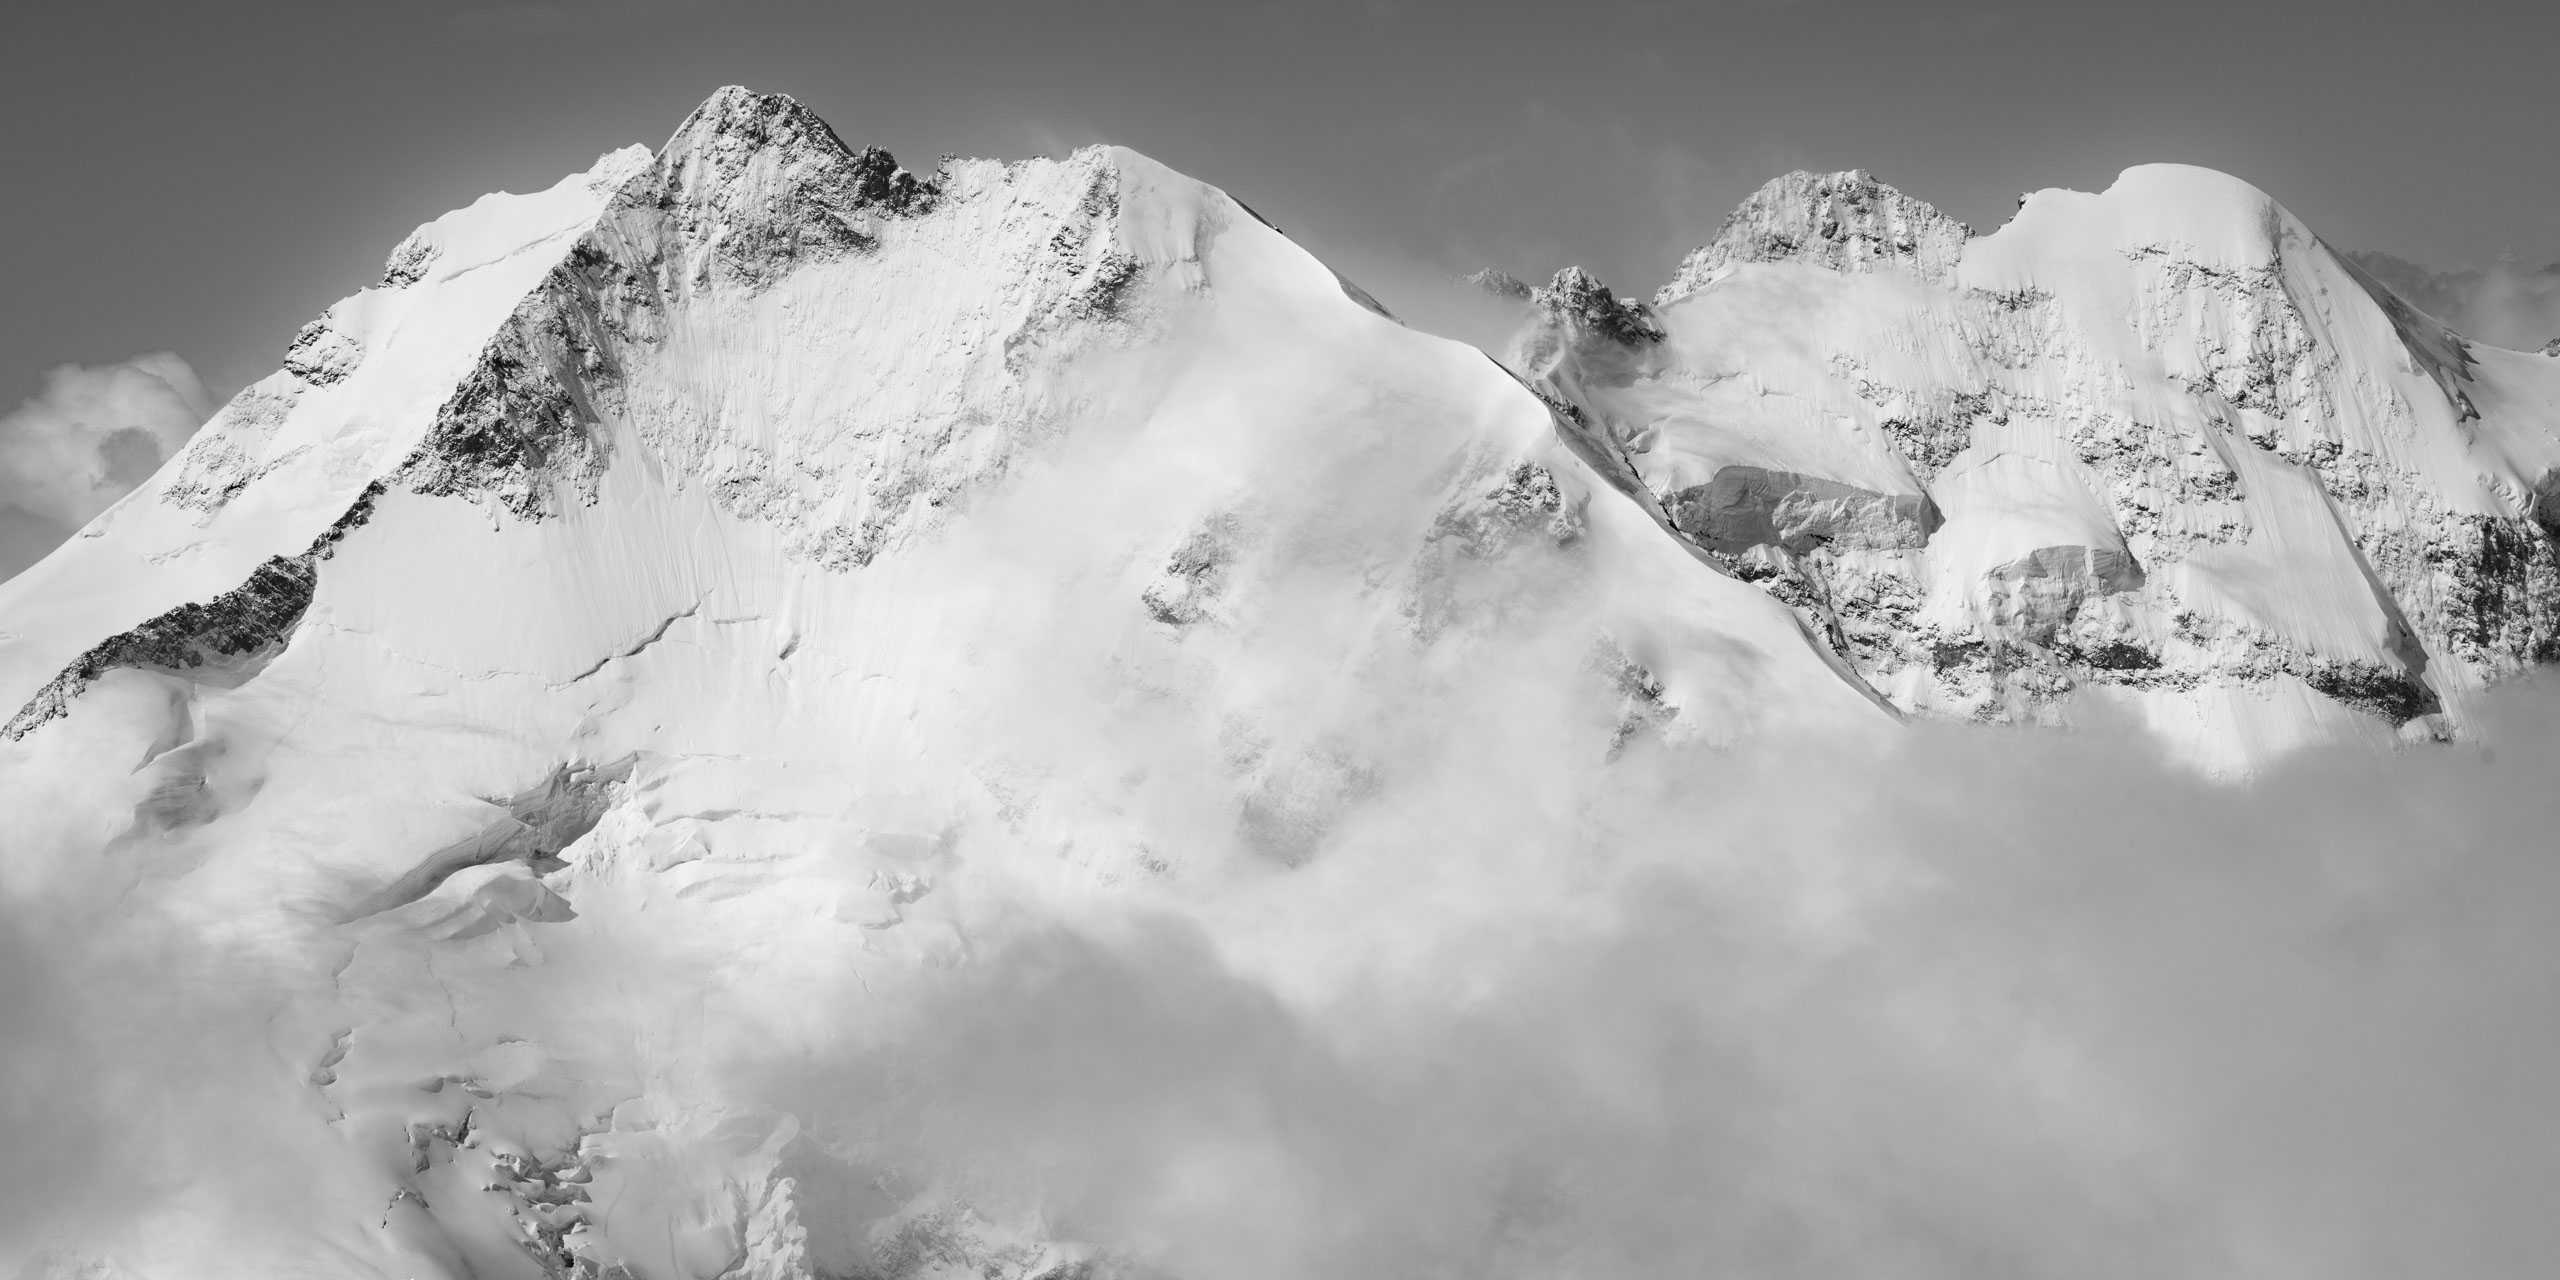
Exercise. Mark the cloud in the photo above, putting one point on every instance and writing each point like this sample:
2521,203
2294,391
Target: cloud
2506,305
85,440
1943,1001
1559,161
1988,1002
137,1047
2513,307
1974,1002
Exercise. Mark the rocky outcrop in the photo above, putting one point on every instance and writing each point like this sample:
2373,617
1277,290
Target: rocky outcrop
321,355
2235,422
753,189
232,633
1576,298
756,183
524,430
228,453
1843,221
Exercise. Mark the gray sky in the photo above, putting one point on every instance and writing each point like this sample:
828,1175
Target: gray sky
203,178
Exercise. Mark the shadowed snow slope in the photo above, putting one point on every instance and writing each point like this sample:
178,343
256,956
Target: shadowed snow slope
794,560
2157,448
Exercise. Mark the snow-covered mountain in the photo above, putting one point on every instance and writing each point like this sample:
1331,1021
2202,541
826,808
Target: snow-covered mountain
751,578
2157,448
721,543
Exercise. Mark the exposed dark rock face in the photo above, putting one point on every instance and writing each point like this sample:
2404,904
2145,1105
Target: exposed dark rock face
1843,221
251,617
760,184
321,355
1928,426
240,628
878,182
2395,694
523,426
409,262
2503,589
1579,299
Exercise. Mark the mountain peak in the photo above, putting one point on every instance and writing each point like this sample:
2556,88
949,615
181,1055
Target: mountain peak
766,181
1498,283
737,125
752,118
1845,221
1577,296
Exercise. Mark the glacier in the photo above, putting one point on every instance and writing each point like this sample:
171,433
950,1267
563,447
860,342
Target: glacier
676,628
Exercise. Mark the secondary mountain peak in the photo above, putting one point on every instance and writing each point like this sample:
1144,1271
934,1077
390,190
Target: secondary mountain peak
1844,221
2155,447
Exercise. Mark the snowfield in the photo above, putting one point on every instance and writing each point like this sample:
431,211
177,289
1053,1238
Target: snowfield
758,714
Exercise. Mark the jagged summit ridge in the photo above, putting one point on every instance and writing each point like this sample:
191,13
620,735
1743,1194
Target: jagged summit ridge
512,348
746,563
2157,446
762,181
745,579
1577,298
1845,221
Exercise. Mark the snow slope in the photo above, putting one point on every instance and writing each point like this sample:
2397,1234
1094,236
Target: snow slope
747,575
526,771
2157,448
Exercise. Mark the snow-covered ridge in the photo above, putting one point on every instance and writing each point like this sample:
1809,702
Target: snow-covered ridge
802,568
2187,459
1843,221
749,578
504,335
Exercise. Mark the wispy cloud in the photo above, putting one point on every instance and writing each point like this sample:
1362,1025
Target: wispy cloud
1993,1003
92,434
1983,1002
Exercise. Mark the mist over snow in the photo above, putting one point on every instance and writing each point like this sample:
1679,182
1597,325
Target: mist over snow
2508,304
1982,1001
90,435
759,713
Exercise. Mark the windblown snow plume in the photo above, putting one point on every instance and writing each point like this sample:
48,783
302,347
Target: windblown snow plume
762,715
92,434
2507,305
